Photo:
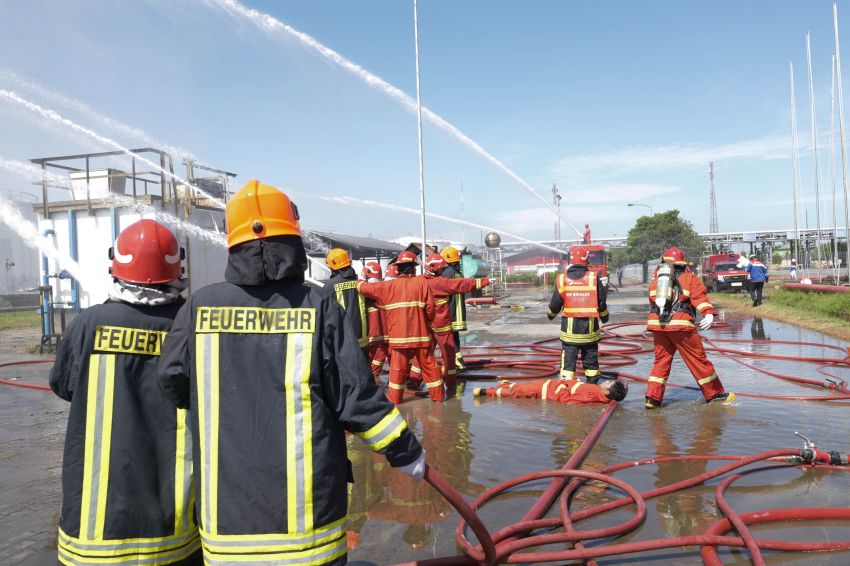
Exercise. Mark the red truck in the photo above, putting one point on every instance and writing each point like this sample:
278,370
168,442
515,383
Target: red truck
720,272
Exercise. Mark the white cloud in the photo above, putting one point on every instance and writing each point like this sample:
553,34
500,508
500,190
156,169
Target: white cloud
619,193
670,157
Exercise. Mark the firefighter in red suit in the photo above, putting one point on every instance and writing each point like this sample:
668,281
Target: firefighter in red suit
581,300
442,289
675,296
410,309
561,390
376,317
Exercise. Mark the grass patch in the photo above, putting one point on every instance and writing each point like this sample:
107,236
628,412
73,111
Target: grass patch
824,312
20,319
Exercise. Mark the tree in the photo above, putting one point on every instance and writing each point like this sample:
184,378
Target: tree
651,235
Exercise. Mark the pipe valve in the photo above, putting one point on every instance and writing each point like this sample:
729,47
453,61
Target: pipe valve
810,454
834,383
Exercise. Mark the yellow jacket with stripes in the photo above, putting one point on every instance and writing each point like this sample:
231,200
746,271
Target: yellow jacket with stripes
457,301
344,287
273,376
127,468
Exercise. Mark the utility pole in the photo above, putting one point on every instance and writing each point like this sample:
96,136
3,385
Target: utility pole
556,200
712,200
419,125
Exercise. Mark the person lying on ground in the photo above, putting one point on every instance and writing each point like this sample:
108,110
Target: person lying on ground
560,390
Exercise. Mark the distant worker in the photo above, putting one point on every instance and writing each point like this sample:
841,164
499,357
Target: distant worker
273,378
442,289
127,468
410,309
377,323
758,276
343,284
792,270
673,292
587,238
457,302
581,300
569,391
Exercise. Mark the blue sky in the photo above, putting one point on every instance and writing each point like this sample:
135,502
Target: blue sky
615,101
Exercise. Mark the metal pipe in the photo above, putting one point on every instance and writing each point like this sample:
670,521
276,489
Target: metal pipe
73,251
832,173
46,318
419,126
814,146
794,166
843,138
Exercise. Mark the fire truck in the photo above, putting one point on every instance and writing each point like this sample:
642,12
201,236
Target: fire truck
597,258
720,272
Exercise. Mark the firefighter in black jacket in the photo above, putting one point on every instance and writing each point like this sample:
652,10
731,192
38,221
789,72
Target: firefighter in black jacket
581,299
127,469
272,378
457,301
343,283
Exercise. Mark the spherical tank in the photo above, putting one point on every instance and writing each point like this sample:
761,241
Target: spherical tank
492,240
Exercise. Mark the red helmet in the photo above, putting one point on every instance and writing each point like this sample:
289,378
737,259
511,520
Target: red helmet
434,263
146,252
407,257
578,256
392,270
372,269
675,256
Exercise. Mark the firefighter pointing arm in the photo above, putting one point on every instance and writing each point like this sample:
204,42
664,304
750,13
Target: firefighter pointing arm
273,375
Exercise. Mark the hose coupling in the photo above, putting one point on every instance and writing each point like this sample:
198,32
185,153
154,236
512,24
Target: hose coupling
835,383
810,454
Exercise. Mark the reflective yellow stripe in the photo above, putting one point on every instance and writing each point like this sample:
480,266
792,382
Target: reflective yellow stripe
581,338
581,310
686,292
395,385
703,306
206,359
575,387
499,392
299,433
412,339
124,340
133,550
441,301
99,407
70,557
705,380
661,380
652,293
580,288
685,323
318,546
603,312
404,305
545,389
550,313
442,328
432,384
364,329
390,427
478,283
591,372
377,363
183,473
340,297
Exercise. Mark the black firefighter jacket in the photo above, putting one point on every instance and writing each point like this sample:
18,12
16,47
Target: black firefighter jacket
127,469
578,330
343,284
457,302
272,378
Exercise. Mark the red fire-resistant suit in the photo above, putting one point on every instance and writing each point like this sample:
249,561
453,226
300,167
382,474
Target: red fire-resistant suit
560,390
410,309
376,317
679,334
442,327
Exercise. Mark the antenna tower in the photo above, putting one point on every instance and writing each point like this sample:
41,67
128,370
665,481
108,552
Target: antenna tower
712,221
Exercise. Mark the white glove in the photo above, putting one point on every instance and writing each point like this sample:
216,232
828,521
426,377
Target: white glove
706,322
660,302
415,469
604,281
743,261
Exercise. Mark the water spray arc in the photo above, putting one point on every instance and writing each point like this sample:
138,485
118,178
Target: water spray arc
271,24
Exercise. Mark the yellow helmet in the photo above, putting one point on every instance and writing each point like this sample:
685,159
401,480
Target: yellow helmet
450,254
260,211
338,258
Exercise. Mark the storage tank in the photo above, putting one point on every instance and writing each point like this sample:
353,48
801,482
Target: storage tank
492,240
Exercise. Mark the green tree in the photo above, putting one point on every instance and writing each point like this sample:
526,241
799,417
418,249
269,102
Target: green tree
651,235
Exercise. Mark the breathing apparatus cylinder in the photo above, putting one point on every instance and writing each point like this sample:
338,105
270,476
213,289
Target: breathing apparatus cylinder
664,291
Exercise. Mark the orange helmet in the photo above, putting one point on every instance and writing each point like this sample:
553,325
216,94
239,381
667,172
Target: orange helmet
372,269
450,254
407,257
675,256
392,270
338,258
146,252
434,263
260,211
578,256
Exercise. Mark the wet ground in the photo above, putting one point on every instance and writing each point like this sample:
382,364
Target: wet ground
478,444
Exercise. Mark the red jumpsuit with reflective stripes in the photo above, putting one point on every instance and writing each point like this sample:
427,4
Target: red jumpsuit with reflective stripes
442,327
560,390
409,306
679,335
378,350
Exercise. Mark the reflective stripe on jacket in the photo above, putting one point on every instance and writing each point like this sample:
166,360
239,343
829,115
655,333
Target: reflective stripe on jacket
127,467
442,289
582,303
273,377
345,290
410,309
457,303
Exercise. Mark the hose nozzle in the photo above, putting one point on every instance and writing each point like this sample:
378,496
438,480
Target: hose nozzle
809,454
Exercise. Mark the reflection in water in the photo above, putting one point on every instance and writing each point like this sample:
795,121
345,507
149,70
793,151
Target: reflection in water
757,329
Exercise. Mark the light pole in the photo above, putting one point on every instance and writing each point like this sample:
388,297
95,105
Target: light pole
651,212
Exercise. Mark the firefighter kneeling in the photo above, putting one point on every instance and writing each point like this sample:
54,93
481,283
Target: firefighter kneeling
410,309
673,292
582,299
